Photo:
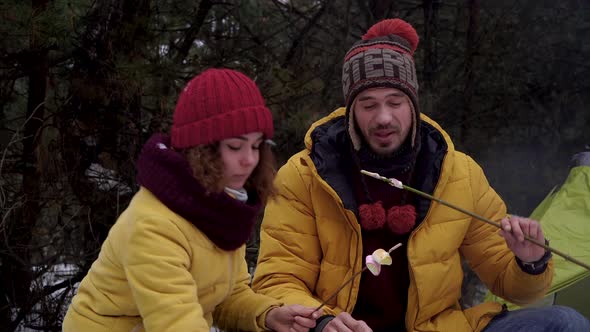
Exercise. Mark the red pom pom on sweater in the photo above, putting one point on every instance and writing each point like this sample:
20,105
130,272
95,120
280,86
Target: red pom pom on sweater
372,216
401,219
394,26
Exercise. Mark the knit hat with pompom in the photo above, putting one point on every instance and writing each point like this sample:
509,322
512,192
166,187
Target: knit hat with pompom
383,58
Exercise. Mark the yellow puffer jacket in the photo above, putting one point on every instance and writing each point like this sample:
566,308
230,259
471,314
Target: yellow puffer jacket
153,253
311,243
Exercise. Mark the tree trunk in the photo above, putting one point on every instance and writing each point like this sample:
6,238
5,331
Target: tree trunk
430,8
471,48
102,125
16,267
429,43
303,34
192,32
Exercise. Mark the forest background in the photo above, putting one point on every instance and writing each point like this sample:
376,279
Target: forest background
84,83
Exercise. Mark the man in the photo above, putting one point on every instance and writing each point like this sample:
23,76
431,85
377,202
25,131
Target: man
328,216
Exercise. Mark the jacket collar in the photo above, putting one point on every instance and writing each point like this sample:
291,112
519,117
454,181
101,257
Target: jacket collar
330,152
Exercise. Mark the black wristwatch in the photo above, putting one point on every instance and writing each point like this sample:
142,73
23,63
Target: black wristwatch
321,322
536,267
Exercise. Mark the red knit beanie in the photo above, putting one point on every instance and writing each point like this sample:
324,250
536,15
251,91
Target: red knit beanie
219,104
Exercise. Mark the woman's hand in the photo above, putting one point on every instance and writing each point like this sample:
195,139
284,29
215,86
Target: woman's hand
292,318
345,323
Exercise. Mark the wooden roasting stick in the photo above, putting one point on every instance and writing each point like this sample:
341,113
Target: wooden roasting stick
398,184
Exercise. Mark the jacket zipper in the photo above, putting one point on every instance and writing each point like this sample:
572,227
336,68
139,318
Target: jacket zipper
410,270
343,210
230,275
349,306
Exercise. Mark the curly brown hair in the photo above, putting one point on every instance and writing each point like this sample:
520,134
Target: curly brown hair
207,166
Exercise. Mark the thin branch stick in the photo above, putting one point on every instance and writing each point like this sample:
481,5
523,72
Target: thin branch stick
400,185
349,280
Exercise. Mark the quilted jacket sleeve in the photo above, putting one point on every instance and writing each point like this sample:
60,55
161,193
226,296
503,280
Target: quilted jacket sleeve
243,310
290,253
487,252
157,268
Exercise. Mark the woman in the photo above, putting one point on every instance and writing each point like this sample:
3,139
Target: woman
174,260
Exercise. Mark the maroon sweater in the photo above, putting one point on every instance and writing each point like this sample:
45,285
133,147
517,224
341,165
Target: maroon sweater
382,299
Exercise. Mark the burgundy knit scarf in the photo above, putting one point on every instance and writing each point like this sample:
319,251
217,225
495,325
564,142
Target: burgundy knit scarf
166,173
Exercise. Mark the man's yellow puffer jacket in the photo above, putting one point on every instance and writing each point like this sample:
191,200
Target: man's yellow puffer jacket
311,243
156,271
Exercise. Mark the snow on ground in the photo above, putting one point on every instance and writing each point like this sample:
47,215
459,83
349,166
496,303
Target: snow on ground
106,179
54,275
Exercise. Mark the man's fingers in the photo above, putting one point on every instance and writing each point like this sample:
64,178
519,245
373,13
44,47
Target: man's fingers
299,328
361,326
306,311
540,234
337,325
525,226
510,239
533,229
515,223
341,323
505,223
522,227
296,328
345,322
347,319
315,314
305,322
536,231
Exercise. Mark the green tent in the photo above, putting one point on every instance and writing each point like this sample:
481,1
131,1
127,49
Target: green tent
565,217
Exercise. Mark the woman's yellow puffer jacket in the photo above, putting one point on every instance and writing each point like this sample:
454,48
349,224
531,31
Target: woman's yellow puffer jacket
310,243
156,271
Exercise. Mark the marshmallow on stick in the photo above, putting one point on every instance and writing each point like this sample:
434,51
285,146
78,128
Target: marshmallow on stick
381,257
378,258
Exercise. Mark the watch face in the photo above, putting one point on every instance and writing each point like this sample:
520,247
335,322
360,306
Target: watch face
538,266
541,262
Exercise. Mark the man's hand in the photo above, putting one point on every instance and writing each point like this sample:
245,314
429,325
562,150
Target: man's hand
292,318
345,323
514,230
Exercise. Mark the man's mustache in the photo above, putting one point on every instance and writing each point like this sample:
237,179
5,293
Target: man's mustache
385,127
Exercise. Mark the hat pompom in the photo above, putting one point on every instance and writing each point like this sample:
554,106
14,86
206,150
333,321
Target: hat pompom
372,216
394,26
401,219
